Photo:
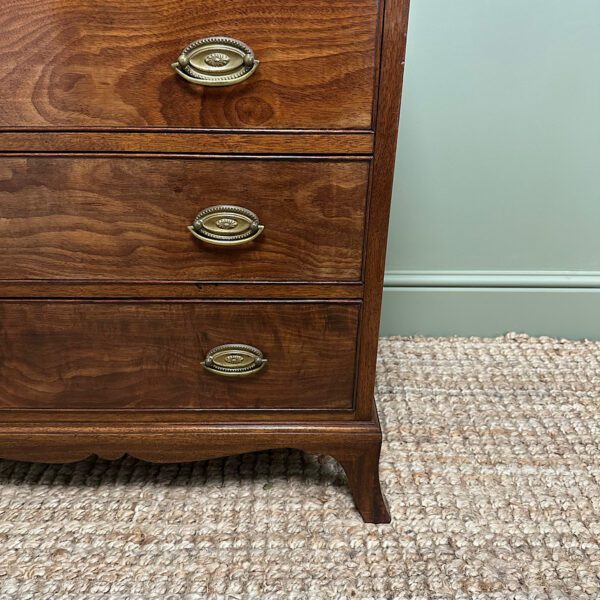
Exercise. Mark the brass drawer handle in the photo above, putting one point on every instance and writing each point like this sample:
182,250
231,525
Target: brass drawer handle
234,360
216,61
226,225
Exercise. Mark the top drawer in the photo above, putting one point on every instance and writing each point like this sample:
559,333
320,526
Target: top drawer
78,64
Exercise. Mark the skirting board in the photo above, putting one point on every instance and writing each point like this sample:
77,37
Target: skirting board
564,305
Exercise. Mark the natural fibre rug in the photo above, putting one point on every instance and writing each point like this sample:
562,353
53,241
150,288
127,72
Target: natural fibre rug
491,467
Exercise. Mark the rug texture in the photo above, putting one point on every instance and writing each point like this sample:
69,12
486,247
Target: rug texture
491,467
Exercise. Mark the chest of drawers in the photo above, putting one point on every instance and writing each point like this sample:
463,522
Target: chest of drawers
194,201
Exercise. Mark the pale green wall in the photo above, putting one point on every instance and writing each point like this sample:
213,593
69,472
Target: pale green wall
498,170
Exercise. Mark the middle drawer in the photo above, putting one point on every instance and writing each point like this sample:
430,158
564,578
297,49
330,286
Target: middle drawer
128,218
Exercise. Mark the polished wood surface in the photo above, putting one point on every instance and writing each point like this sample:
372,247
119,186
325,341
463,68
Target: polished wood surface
355,445
165,289
132,355
388,113
75,63
186,142
106,360
127,218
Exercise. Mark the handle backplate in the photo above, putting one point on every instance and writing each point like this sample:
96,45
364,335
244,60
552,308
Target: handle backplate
234,360
216,61
226,225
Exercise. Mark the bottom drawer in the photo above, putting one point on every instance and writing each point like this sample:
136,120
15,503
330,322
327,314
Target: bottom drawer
148,355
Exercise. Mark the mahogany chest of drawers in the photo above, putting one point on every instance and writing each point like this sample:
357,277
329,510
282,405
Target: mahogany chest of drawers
194,199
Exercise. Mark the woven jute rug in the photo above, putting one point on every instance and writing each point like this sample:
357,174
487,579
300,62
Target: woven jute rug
491,467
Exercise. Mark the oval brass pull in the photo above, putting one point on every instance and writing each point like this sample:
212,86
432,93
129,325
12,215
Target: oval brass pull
226,225
216,61
234,360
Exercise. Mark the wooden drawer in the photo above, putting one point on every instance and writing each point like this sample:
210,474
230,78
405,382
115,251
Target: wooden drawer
148,355
123,219
79,64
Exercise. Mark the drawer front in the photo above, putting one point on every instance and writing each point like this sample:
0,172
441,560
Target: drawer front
121,355
78,64
123,219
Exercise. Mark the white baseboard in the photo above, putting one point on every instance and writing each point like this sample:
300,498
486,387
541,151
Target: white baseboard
495,279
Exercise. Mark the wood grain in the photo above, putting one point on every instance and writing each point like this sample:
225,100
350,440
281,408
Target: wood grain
165,417
127,218
132,355
356,446
218,142
177,290
76,63
388,113
108,377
